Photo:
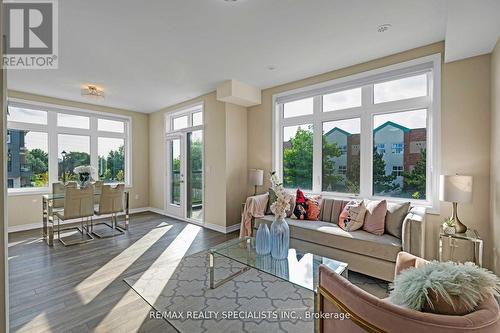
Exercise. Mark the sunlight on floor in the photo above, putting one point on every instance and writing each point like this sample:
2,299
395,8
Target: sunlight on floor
92,286
167,262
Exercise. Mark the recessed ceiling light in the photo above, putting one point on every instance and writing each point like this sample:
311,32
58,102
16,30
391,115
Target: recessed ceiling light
271,67
384,27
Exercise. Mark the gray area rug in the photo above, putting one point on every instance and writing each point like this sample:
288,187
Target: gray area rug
251,302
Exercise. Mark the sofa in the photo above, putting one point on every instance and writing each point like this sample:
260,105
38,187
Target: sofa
369,313
365,253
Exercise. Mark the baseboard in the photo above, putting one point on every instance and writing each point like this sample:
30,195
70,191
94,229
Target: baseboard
215,227
38,225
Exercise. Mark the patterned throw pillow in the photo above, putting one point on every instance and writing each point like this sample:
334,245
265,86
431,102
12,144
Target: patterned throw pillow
313,208
352,216
300,210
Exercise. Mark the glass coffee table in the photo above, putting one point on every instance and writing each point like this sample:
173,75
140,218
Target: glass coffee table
300,268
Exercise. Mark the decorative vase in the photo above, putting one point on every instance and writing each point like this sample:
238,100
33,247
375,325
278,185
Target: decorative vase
84,179
264,263
263,240
280,238
280,268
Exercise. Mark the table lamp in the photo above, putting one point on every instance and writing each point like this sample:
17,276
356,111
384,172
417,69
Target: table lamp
255,178
456,189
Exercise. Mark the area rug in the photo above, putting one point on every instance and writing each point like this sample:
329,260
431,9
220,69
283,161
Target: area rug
251,302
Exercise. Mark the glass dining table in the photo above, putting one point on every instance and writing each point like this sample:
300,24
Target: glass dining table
48,211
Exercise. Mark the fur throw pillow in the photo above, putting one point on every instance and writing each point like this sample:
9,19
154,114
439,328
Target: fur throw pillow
444,287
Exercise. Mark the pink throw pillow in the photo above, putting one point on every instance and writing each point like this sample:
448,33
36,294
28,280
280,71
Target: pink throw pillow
375,217
352,216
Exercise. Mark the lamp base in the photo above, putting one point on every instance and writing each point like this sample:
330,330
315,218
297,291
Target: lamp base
459,226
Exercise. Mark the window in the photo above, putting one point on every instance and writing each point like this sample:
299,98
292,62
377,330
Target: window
397,148
73,151
33,163
397,171
380,148
180,122
340,171
301,107
73,121
342,100
409,87
197,118
370,134
298,156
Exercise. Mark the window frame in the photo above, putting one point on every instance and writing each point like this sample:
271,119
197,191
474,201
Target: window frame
53,130
432,103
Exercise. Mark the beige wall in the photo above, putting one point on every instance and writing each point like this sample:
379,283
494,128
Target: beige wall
465,131
236,161
225,158
26,209
495,157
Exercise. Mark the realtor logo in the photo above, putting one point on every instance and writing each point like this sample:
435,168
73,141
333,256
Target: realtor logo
31,34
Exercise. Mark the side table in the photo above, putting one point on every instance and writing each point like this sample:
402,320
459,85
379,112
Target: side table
461,247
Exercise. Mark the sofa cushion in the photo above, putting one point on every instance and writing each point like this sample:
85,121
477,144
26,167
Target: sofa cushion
375,217
331,209
384,247
396,213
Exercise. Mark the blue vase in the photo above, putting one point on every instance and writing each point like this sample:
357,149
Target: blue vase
263,240
280,268
280,239
264,263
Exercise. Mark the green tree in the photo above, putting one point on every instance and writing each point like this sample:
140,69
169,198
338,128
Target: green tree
415,180
298,159
38,160
352,183
111,167
382,183
72,160
331,178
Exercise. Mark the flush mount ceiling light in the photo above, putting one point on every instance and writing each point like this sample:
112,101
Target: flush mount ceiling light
384,27
271,67
92,92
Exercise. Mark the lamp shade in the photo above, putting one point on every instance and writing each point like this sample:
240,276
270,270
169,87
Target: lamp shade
455,188
255,177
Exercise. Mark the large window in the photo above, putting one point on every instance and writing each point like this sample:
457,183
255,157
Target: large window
45,145
370,135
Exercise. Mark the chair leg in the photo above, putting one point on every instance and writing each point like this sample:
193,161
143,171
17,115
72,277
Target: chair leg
83,231
114,230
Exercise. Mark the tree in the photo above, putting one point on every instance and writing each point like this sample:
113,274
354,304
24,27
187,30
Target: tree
331,178
298,159
72,160
111,166
352,183
382,183
38,160
415,181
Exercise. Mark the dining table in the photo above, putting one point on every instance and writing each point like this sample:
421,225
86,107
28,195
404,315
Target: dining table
48,214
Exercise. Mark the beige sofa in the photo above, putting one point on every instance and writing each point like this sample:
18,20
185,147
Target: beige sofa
364,252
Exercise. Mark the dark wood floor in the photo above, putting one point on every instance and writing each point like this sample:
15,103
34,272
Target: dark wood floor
81,289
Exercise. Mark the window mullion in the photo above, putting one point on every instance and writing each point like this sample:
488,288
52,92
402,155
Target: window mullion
366,140
52,136
317,144
94,159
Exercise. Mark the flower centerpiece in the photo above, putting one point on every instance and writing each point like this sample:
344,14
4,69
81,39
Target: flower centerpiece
86,173
280,233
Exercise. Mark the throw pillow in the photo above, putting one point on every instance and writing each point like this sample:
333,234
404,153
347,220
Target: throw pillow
300,210
289,213
313,208
396,213
375,217
460,287
272,199
352,216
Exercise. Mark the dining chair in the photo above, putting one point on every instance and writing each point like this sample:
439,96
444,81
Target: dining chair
58,190
78,204
110,202
97,191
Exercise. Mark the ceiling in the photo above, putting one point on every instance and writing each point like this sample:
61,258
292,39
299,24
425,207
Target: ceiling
151,54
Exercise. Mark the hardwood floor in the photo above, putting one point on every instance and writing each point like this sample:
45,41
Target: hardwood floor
81,289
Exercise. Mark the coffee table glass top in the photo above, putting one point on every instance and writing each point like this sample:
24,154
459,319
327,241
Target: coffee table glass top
299,268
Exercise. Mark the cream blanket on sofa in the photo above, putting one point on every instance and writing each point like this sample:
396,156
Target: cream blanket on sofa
255,206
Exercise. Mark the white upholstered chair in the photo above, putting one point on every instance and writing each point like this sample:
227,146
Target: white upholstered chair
110,202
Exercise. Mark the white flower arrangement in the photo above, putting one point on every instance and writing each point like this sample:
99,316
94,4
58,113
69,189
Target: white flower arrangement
282,203
85,169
